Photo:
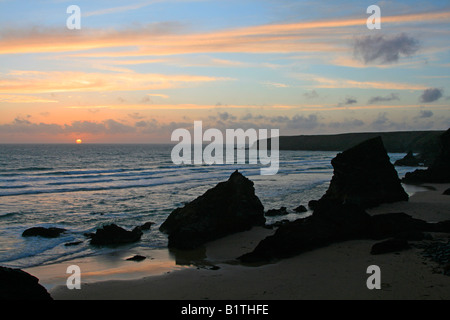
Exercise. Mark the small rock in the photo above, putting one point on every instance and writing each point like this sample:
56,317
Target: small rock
388,246
43,232
137,258
146,226
447,192
276,212
408,161
276,224
75,243
115,235
300,209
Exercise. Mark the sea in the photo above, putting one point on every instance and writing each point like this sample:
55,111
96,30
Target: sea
83,187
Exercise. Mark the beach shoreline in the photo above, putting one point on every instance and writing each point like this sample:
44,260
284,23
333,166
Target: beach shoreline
338,271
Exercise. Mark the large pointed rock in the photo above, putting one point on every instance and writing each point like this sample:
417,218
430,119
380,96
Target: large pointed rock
229,207
364,176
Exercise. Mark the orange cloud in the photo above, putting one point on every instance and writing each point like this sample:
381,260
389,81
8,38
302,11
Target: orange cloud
24,99
69,81
329,83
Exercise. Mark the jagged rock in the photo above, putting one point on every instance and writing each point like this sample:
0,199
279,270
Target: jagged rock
439,171
115,235
447,192
43,232
231,206
300,209
16,284
276,212
364,176
409,161
390,245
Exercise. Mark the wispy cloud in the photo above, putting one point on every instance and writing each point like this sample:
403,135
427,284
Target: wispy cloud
391,97
333,83
71,81
155,39
275,84
120,9
24,99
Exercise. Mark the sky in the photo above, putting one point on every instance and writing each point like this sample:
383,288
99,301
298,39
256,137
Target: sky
137,70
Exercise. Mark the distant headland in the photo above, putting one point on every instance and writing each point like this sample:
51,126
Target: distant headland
397,142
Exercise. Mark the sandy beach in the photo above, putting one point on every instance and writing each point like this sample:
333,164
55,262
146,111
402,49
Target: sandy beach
338,271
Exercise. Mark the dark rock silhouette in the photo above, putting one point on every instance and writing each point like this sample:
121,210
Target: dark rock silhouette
312,204
447,192
231,206
71,244
300,209
408,161
43,232
335,222
390,245
276,212
364,176
439,171
115,235
16,284
343,222
398,225
137,258
146,226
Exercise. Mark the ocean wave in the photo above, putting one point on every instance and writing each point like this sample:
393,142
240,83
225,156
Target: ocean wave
14,187
83,189
78,182
27,169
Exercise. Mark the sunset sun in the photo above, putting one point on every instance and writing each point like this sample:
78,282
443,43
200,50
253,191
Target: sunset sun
79,141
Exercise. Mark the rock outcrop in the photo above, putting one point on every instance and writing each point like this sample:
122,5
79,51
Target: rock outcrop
231,206
364,176
334,222
343,222
390,245
43,232
408,161
115,235
300,209
276,212
439,171
16,284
